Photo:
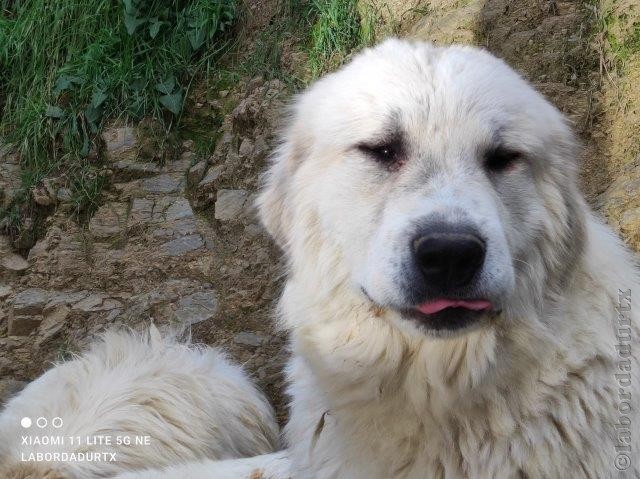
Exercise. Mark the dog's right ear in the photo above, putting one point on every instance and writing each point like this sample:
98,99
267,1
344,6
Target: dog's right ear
274,204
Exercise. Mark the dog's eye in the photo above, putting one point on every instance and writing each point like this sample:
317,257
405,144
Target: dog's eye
387,154
501,159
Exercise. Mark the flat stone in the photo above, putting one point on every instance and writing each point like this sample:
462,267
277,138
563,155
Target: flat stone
129,189
90,303
182,165
212,175
179,209
63,195
141,211
167,183
53,322
109,220
229,204
30,301
181,227
129,169
196,173
120,141
248,338
163,203
183,245
14,262
23,325
63,298
197,307
97,302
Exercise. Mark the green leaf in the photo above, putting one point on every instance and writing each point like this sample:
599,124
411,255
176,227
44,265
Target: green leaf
62,83
128,5
93,113
172,102
197,37
137,85
76,80
167,86
154,27
98,98
54,112
131,23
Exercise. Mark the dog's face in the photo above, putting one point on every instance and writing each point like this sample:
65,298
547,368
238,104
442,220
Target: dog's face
435,173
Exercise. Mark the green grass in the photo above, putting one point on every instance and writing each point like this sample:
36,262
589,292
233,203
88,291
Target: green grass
68,66
339,29
326,32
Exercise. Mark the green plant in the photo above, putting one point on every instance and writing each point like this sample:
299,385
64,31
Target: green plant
340,28
69,65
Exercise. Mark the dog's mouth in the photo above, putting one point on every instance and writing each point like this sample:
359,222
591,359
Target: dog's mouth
434,307
448,315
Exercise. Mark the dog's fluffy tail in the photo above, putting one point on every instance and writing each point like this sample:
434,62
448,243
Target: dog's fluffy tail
134,401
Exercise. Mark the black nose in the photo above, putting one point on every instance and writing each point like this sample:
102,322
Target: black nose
449,256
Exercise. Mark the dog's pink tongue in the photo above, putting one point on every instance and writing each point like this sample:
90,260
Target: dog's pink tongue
440,304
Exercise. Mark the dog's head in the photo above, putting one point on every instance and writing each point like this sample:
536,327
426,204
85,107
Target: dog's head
436,178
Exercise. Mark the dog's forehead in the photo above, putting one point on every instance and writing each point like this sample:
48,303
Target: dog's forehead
432,86
422,89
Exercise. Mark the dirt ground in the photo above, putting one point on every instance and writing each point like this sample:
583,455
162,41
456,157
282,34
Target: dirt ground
179,244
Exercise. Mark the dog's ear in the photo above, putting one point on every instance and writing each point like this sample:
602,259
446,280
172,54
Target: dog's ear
273,203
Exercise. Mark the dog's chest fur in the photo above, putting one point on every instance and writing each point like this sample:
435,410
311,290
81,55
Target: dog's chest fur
369,402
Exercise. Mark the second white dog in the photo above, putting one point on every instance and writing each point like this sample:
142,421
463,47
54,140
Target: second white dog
191,403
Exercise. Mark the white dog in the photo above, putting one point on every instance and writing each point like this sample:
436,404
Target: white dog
190,403
454,308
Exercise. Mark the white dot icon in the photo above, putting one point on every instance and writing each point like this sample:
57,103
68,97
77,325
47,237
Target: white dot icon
25,422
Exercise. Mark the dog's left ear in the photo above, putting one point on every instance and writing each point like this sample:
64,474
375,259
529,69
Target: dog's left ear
273,203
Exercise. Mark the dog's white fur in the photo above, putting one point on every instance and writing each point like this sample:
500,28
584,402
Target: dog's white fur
532,391
268,466
192,403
